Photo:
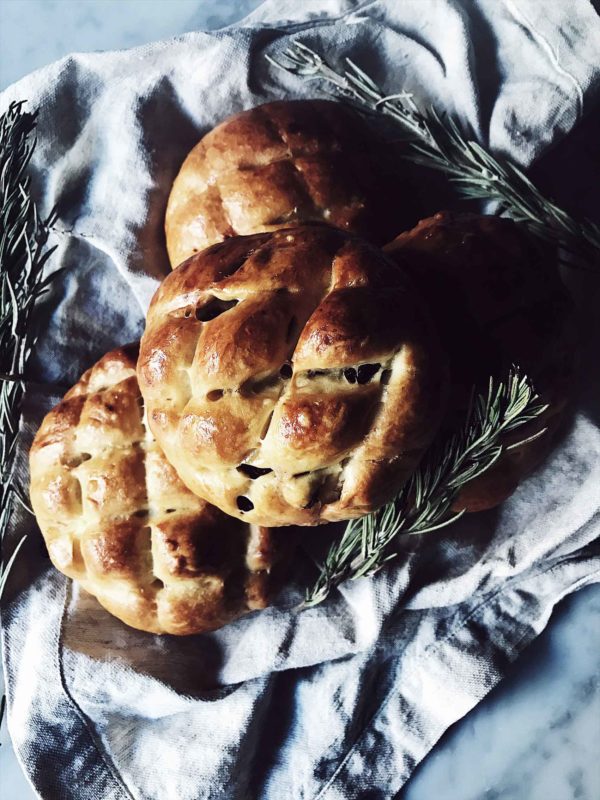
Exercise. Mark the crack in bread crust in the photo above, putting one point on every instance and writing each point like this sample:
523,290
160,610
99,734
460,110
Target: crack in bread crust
361,404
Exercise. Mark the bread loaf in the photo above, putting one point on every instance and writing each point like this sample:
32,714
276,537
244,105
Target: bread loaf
276,165
498,300
117,519
291,377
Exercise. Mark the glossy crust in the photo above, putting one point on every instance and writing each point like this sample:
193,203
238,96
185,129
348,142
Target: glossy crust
116,517
280,164
291,377
497,298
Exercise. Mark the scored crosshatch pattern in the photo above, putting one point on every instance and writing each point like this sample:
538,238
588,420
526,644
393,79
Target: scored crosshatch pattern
116,517
291,377
281,163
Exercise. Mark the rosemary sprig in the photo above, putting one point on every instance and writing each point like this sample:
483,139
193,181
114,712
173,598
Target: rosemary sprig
23,254
425,502
438,142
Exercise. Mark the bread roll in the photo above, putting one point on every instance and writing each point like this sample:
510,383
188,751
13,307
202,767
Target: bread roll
291,377
116,517
497,299
276,165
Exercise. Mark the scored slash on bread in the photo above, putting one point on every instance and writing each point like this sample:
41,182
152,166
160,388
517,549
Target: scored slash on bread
116,517
291,377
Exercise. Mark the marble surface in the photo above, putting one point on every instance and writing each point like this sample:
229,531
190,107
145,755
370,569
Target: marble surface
535,737
35,32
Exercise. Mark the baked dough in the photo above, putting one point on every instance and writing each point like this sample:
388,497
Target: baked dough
280,164
291,377
498,300
116,517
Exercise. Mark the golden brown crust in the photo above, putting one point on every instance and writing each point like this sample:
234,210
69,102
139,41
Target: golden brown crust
116,517
291,377
497,298
279,164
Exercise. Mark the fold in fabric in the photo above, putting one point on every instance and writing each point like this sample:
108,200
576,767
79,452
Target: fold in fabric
343,700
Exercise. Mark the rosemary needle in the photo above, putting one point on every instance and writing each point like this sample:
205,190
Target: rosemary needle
425,502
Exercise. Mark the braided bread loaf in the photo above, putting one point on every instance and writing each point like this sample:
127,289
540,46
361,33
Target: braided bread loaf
291,377
497,298
280,164
116,518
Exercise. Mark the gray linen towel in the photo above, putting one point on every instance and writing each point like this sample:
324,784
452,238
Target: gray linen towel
340,701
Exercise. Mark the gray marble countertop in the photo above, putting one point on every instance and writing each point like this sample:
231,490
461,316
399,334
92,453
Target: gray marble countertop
535,737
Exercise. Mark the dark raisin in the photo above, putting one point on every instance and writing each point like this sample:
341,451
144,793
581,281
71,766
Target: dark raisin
244,503
253,472
330,490
260,385
366,372
263,256
229,269
350,374
213,309
286,371
292,328
77,460
214,395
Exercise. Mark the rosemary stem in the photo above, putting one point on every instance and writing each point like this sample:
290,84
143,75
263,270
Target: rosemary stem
425,502
23,255
440,144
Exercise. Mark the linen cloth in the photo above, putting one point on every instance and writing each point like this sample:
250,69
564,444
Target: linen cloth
343,700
